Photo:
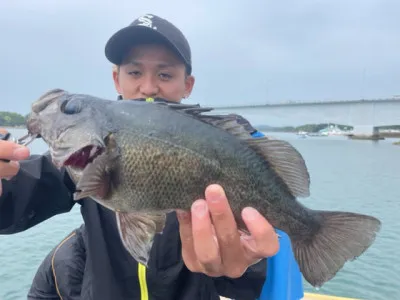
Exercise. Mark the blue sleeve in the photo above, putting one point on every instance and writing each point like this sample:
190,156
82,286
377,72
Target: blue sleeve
284,279
257,134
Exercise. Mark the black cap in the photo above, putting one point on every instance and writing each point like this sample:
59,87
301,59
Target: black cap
148,28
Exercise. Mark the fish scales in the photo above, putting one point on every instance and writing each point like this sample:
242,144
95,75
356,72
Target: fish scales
160,174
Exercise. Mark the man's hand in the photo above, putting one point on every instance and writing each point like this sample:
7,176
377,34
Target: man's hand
211,242
12,152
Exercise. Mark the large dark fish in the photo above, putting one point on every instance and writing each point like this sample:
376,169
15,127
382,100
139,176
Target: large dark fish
143,160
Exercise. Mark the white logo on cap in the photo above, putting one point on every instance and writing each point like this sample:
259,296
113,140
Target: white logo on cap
146,20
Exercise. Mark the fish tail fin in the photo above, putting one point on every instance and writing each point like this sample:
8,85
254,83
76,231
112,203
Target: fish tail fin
341,237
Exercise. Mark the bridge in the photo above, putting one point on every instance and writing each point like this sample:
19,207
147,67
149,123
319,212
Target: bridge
364,115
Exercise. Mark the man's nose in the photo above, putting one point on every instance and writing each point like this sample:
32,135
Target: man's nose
149,87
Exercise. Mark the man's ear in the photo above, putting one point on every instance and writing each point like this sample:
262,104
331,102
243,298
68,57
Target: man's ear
189,83
115,75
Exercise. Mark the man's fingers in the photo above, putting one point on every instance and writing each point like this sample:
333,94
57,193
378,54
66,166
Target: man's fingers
13,151
264,241
8,169
205,245
185,232
211,242
230,247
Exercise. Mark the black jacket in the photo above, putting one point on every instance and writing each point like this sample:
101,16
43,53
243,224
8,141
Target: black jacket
40,191
61,273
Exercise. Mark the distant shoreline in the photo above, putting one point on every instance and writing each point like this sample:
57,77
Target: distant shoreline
14,127
390,134
384,134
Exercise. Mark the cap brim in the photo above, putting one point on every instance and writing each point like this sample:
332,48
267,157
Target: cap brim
124,39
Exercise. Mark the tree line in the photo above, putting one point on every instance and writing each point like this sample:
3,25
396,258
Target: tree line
11,119
316,127
305,127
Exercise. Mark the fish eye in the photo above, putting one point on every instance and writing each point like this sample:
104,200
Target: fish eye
70,107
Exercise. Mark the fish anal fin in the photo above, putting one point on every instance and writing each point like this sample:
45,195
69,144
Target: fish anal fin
137,231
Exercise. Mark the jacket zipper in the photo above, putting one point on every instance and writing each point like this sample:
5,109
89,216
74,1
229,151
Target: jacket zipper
144,295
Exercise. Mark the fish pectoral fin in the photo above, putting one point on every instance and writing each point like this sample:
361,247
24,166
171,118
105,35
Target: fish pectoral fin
96,179
137,231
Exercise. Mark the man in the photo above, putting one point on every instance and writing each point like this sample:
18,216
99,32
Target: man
200,255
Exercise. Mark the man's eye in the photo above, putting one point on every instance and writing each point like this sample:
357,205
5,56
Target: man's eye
165,76
135,73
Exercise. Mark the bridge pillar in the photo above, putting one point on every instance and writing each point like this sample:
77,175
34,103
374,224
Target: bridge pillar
365,132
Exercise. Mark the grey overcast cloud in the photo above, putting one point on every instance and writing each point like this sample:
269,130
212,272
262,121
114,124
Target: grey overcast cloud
243,51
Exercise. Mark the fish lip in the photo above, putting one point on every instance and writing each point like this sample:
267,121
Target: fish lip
60,156
33,124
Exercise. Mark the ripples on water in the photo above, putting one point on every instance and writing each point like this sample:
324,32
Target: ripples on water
359,176
364,177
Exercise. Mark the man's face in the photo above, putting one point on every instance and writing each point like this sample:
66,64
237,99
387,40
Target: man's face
152,71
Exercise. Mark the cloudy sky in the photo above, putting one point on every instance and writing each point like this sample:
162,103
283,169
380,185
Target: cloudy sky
243,51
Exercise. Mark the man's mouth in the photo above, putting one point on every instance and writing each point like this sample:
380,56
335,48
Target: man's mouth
84,156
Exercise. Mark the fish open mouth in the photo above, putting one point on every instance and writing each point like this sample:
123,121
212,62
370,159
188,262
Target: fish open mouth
84,156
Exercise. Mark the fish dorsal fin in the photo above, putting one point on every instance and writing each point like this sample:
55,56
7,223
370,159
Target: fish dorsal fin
283,157
287,162
226,122
191,109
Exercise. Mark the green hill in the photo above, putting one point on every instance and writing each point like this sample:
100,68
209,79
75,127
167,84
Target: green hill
11,119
